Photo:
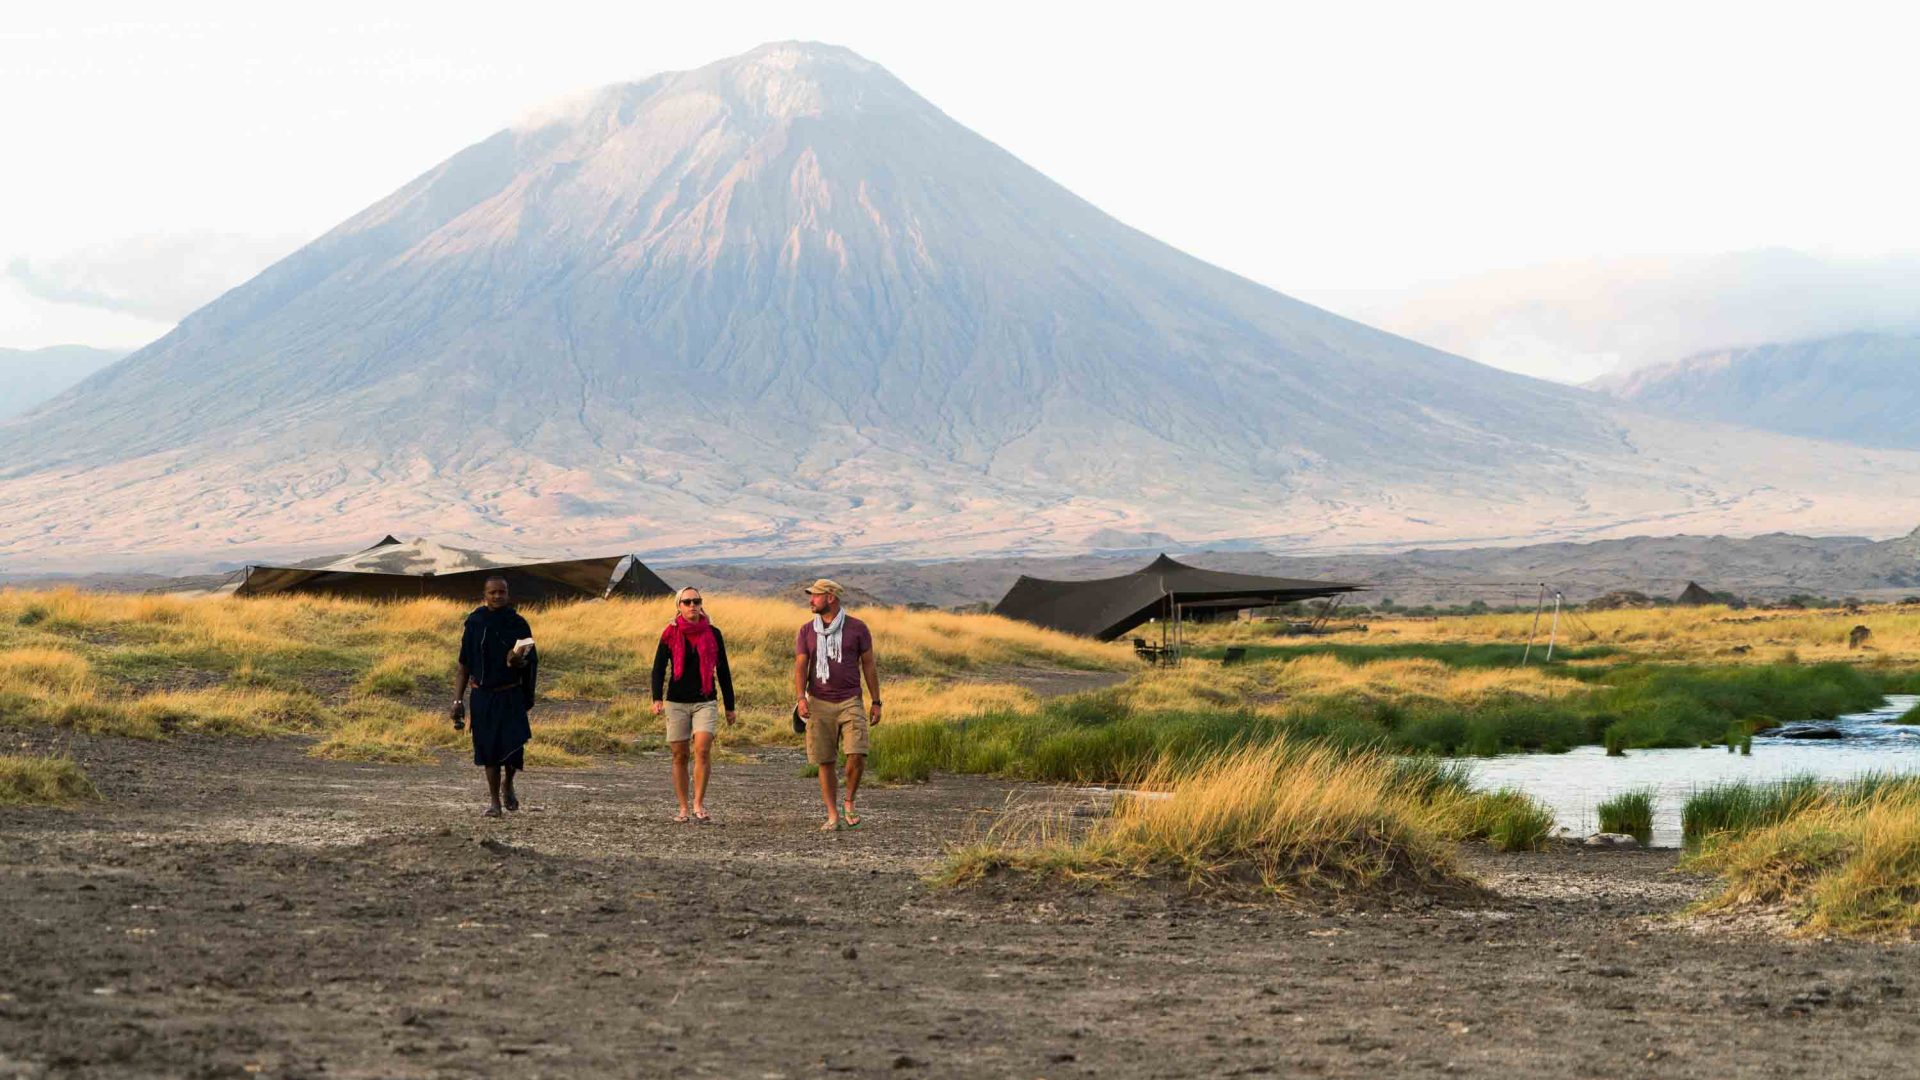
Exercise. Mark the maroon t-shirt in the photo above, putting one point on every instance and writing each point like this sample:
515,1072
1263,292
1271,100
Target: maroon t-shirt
843,675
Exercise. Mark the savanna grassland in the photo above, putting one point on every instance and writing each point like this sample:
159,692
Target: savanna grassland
242,839
368,682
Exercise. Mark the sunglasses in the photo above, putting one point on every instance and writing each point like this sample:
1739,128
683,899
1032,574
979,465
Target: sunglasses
692,603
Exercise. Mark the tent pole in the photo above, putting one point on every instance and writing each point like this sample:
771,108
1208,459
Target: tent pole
1554,633
1536,624
1179,634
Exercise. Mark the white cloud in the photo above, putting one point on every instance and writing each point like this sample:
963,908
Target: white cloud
30,322
157,277
1574,321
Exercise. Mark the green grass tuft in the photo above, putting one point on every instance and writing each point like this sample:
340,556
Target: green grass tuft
1742,805
34,780
1629,812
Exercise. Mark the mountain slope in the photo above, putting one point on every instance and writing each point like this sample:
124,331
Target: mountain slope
31,376
783,304
1856,388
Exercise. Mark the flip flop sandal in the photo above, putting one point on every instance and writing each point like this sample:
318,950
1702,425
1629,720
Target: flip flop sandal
491,811
681,819
835,827
847,815
513,802
703,818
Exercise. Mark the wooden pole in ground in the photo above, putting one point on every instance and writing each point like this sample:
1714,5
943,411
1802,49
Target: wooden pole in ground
1179,634
1537,608
1554,633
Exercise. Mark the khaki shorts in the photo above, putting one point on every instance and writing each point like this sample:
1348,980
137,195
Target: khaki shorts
686,717
835,727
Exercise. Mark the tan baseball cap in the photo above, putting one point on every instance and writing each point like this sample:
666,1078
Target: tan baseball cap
825,585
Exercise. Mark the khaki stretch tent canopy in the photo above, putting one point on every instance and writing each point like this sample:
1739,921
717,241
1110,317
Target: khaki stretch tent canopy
1106,608
392,570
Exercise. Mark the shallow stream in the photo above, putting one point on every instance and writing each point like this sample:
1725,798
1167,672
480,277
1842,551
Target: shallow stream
1576,782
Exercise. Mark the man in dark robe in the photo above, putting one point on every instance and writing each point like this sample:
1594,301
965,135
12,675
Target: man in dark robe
497,668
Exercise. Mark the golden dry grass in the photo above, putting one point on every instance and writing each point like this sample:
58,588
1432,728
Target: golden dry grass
1316,676
1839,864
1281,819
1675,633
146,666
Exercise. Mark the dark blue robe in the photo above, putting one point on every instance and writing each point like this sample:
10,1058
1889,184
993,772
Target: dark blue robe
500,694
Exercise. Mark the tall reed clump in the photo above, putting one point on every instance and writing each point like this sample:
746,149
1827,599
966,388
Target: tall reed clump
1743,805
1615,741
29,779
1846,861
1282,819
1507,819
1631,813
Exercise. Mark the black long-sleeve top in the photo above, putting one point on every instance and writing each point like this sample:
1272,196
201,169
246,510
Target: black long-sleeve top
686,688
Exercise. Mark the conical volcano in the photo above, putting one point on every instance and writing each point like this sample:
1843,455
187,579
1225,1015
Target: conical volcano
783,304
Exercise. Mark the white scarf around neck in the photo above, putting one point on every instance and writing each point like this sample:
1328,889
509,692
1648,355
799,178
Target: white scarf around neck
826,644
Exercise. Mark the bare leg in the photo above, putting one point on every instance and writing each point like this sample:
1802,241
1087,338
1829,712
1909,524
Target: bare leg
493,790
829,793
512,799
856,764
702,765
680,775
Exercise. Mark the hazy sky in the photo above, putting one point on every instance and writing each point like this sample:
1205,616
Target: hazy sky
1348,154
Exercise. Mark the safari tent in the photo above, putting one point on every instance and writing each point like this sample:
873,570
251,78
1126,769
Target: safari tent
1695,596
396,570
1106,608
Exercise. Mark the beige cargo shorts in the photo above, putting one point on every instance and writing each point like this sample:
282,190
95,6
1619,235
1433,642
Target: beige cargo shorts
686,717
833,728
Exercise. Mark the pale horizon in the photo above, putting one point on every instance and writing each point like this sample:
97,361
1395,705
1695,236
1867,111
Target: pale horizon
1288,151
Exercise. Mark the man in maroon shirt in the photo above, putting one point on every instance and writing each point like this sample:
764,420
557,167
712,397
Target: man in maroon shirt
830,656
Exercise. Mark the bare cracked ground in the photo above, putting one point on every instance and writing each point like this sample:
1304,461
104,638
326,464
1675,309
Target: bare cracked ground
237,908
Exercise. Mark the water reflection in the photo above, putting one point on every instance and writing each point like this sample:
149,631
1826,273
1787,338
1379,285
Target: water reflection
1576,782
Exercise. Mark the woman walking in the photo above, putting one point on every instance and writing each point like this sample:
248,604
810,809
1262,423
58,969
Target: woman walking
695,654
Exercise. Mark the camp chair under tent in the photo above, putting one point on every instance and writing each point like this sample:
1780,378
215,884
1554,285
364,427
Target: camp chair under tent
393,570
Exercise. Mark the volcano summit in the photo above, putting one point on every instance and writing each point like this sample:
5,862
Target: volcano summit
782,305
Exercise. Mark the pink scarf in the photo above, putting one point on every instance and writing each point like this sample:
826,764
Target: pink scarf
699,631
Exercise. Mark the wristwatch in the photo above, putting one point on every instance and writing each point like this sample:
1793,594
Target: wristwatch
876,703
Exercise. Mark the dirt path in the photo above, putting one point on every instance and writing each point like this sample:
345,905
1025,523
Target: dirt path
239,909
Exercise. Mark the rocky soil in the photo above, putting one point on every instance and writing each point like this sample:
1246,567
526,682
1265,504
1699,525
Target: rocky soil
238,908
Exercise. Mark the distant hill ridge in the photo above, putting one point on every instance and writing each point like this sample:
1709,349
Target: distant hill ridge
1857,388
29,377
1772,567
